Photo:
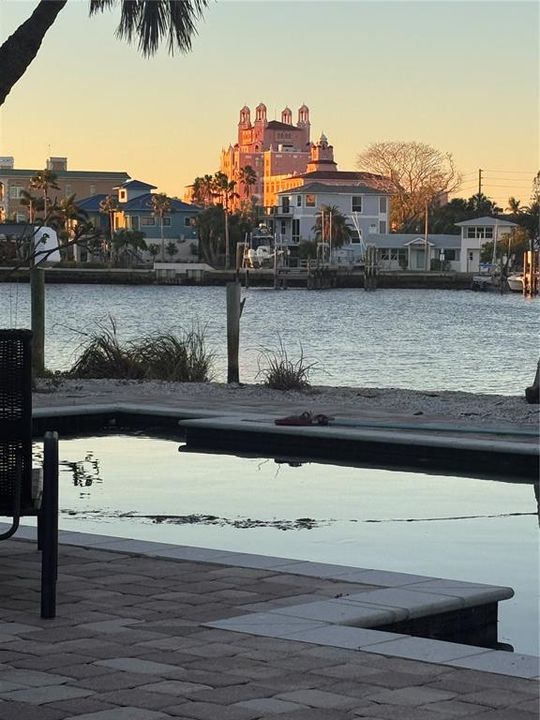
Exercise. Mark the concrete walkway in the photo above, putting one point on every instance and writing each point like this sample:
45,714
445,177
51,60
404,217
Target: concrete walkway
131,642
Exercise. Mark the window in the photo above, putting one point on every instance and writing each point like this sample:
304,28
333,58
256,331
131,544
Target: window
92,189
451,254
166,222
134,222
189,221
285,204
298,201
283,227
15,192
356,237
480,233
311,200
67,190
372,229
148,221
382,205
356,202
382,226
122,195
296,230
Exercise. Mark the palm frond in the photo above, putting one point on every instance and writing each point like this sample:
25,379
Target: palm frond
148,22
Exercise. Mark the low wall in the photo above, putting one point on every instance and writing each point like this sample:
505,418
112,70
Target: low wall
255,278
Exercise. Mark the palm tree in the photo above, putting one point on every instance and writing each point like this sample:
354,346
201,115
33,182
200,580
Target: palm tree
161,205
514,206
66,215
146,22
128,243
33,203
109,206
332,227
224,190
247,178
44,180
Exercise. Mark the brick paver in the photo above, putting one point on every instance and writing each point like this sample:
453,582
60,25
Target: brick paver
130,643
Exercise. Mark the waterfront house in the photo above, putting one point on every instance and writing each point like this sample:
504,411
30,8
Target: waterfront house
477,232
135,212
365,208
407,251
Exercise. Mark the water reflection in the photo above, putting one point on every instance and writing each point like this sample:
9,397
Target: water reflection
470,529
84,472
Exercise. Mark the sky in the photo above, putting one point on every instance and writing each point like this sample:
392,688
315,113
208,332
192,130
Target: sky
462,76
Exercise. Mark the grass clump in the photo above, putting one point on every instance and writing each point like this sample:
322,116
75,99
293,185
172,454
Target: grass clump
174,358
168,356
280,372
104,357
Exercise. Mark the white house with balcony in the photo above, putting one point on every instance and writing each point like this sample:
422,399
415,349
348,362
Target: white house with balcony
366,209
475,233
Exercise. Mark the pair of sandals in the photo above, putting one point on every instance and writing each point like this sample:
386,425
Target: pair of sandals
305,418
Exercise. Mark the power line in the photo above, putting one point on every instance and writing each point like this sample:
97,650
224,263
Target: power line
521,172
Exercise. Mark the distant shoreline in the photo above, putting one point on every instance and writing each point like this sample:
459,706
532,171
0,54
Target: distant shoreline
256,278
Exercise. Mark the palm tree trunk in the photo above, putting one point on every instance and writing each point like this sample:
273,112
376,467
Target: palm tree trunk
162,241
227,246
21,48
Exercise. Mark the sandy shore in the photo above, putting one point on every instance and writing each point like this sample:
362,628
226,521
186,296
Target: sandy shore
465,408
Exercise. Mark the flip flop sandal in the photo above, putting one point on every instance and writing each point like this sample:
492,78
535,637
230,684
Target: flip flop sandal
323,419
304,419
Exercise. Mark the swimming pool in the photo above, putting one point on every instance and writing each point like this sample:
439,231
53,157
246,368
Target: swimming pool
465,528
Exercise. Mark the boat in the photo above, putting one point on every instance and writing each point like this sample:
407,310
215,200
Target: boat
515,282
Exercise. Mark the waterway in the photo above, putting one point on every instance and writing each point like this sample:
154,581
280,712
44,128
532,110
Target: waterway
416,339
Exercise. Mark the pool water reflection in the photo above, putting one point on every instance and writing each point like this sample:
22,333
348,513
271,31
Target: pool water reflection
464,528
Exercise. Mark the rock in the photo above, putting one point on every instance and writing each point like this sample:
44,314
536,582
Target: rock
532,393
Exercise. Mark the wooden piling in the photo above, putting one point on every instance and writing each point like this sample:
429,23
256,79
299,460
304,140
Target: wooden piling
234,310
370,268
37,295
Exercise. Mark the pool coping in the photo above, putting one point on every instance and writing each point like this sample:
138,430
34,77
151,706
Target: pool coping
235,432
398,595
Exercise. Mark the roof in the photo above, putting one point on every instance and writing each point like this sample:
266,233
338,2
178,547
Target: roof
92,203
318,187
379,182
68,174
402,240
277,125
486,221
143,203
137,185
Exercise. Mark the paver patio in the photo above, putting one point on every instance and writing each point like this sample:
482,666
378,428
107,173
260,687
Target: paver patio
129,643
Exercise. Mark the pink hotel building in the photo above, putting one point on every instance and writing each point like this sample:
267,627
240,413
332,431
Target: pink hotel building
273,149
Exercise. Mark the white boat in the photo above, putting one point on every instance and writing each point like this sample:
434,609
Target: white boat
515,282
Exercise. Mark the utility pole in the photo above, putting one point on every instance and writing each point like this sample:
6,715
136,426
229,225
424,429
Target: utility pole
479,182
426,238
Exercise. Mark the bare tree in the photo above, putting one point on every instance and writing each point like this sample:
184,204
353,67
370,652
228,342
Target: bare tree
421,175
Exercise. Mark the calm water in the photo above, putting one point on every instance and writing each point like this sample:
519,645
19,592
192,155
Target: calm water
453,527
419,339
